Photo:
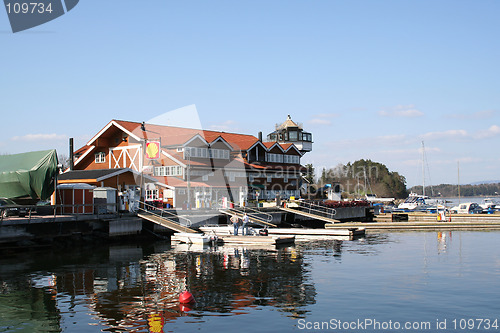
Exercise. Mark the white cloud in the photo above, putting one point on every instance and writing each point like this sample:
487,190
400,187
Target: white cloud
322,119
326,115
460,134
493,131
40,137
475,115
391,138
412,151
450,134
319,121
227,126
401,111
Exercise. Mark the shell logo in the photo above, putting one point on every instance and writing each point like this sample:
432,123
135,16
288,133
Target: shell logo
153,150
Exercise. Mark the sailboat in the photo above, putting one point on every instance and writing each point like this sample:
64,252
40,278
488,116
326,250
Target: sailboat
417,202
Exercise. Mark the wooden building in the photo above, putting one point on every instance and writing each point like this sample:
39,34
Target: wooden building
183,166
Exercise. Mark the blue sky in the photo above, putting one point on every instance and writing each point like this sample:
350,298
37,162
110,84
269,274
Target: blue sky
370,79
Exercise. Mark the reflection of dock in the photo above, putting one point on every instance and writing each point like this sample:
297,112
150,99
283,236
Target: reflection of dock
271,240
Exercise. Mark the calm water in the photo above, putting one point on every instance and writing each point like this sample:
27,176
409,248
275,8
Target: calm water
416,278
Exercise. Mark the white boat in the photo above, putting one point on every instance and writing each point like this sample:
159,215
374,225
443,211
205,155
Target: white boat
373,198
415,202
467,208
489,204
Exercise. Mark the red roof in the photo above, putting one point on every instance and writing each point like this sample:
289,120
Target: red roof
172,135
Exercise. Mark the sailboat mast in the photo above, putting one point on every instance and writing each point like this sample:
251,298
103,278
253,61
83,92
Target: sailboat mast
423,169
458,169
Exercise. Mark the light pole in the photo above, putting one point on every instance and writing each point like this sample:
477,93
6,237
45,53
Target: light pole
188,177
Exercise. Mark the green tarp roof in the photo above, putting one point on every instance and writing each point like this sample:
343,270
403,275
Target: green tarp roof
28,174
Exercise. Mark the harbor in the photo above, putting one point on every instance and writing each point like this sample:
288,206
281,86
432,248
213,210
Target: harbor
136,286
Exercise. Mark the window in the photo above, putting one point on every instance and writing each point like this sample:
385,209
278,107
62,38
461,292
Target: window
100,157
292,159
218,153
195,152
204,178
275,158
152,195
306,137
173,170
292,136
269,179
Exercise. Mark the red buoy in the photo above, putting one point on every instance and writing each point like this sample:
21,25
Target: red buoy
186,307
186,297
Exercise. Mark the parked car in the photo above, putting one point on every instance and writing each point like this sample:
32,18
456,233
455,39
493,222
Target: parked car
10,208
467,208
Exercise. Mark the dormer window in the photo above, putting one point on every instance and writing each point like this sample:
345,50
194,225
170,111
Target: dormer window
100,157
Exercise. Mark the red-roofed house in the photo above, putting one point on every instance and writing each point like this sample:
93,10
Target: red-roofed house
194,165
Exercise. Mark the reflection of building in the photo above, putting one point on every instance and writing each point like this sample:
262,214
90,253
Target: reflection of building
196,166
125,287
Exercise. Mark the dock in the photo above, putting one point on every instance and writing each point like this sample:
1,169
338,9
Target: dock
426,217
413,225
318,232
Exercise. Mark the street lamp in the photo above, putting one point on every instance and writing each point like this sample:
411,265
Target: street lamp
188,176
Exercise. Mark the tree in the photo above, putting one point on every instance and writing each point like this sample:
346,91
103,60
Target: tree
365,176
310,176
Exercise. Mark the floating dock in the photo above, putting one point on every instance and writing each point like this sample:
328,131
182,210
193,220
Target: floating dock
417,225
318,232
426,217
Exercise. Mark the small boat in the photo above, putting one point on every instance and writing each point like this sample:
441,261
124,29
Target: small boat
467,208
415,202
192,238
373,198
490,204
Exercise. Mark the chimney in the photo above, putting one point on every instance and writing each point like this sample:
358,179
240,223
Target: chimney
71,158
260,136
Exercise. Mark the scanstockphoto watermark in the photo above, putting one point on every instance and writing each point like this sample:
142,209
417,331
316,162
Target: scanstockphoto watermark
455,324
365,324
26,14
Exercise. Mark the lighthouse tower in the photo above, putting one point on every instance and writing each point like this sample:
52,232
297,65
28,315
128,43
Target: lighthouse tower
291,132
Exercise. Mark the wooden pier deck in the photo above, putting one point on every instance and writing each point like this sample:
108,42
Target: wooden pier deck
411,225
425,217
318,232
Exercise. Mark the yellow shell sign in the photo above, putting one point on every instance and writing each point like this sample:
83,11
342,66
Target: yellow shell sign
153,150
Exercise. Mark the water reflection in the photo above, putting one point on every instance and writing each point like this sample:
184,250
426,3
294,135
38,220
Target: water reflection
136,287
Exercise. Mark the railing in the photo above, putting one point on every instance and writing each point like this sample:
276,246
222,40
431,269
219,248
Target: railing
60,210
254,212
311,208
150,209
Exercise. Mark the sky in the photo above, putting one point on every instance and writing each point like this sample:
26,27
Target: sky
369,79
